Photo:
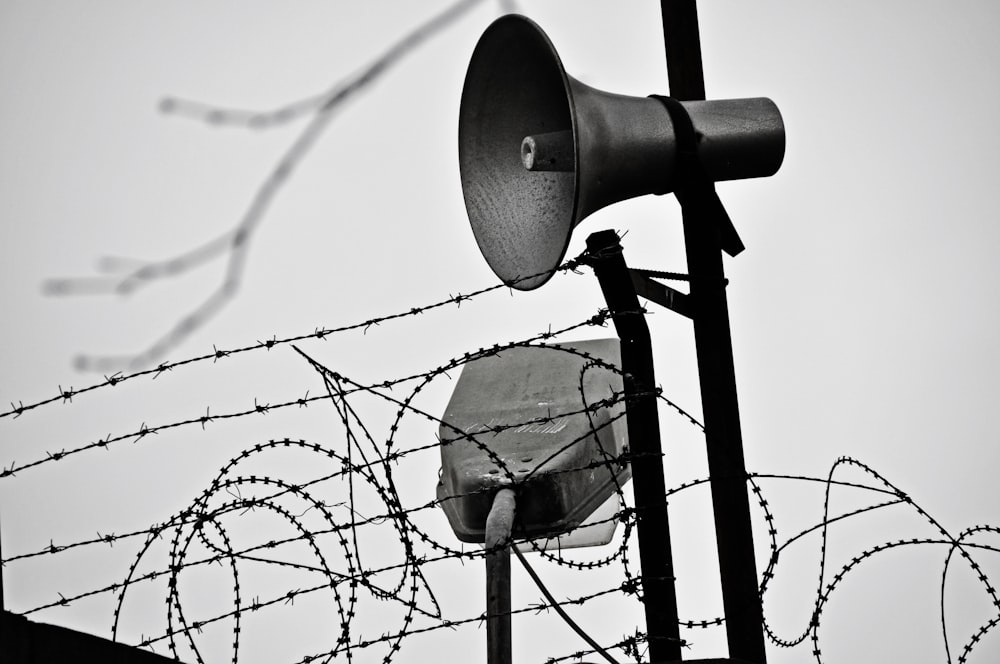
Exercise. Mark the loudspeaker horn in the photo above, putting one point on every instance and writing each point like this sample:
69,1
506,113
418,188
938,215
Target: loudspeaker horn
539,151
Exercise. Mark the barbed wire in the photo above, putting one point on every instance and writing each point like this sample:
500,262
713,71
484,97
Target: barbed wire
825,588
258,408
197,523
204,524
198,517
363,467
365,576
234,242
67,395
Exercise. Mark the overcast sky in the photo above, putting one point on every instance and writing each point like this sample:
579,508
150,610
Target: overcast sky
864,310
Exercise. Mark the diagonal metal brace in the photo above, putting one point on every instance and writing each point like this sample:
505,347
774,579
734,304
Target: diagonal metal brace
661,294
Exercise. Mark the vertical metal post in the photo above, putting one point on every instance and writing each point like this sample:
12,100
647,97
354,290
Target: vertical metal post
683,45
499,523
714,347
724,440
653,527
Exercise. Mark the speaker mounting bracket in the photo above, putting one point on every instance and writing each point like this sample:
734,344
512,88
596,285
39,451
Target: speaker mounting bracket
663,295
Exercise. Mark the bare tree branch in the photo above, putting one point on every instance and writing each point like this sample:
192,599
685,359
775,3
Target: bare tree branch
235,241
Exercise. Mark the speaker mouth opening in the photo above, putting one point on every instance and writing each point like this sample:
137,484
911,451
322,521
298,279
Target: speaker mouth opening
517,106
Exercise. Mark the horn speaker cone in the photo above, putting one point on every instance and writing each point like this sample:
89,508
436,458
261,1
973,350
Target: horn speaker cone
539,151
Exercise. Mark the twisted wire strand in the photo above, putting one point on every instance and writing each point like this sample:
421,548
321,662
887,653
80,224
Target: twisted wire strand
826,587
145,430
67,395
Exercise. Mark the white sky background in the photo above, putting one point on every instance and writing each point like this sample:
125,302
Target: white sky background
864,311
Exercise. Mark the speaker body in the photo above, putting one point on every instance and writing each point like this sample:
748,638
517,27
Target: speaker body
539,151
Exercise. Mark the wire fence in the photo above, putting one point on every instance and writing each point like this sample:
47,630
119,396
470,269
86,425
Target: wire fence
342,532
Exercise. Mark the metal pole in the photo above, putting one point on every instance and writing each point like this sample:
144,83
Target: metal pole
499,523
714,347
655,557
724,440
683,46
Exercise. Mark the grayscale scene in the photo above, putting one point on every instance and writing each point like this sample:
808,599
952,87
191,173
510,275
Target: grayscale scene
499,331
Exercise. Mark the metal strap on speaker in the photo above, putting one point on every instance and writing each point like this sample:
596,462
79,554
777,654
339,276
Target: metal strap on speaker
696,191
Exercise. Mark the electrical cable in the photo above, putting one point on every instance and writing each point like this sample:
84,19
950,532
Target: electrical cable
555,605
